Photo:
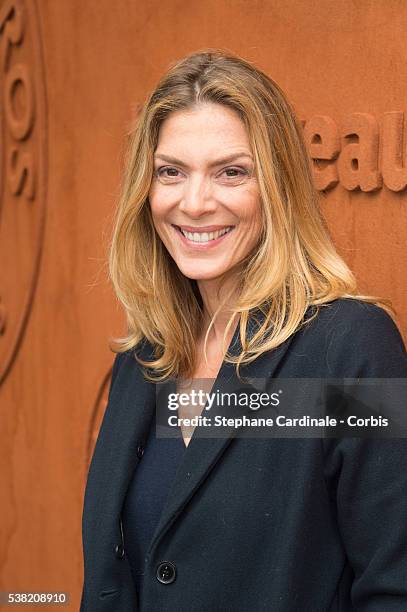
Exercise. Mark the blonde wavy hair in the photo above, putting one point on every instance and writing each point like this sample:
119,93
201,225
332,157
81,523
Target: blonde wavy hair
295,264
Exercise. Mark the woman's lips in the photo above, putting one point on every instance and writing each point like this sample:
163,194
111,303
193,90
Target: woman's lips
210,244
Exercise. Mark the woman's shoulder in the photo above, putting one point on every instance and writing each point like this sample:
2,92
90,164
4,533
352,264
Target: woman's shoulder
352,311
355,338
345,314
127,360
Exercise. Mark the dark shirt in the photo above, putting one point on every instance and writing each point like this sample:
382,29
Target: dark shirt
146,495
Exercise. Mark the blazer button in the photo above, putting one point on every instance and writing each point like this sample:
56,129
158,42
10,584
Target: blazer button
140,451
166,572
119,550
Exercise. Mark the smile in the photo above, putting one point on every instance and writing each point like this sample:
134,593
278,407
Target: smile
201,238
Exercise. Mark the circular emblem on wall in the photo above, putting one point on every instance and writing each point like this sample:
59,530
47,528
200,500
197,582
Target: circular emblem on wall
23,170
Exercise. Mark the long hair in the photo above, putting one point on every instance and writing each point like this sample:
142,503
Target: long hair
295,264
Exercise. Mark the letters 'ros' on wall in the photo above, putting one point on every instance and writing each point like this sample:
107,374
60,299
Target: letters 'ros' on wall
22,170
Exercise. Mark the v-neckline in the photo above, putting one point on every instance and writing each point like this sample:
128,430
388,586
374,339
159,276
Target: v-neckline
223,367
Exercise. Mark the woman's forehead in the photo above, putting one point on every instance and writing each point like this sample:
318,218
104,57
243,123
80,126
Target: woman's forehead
212,130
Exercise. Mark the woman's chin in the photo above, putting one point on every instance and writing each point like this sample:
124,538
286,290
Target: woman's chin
202,274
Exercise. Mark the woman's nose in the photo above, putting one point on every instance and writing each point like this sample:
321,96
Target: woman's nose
197,198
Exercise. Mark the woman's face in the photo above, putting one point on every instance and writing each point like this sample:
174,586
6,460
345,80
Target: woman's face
204,197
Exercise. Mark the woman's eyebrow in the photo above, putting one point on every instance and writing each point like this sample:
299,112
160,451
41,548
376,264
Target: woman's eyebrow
217,162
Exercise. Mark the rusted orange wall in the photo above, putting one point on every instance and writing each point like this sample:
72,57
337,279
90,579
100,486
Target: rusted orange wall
72,73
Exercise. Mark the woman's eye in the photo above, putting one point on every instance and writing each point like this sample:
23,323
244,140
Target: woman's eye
235,172
167,172
234,176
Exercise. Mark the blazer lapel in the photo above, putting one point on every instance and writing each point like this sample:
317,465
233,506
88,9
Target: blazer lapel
202,453
125,424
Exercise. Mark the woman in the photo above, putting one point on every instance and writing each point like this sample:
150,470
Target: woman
225,268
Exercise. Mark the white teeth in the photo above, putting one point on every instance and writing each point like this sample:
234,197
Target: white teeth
205,236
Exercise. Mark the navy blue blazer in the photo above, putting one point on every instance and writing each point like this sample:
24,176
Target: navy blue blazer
289,525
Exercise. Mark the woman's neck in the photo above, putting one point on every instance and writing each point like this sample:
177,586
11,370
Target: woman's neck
212,297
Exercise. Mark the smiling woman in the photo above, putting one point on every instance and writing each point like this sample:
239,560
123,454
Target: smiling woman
222,261
217,145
